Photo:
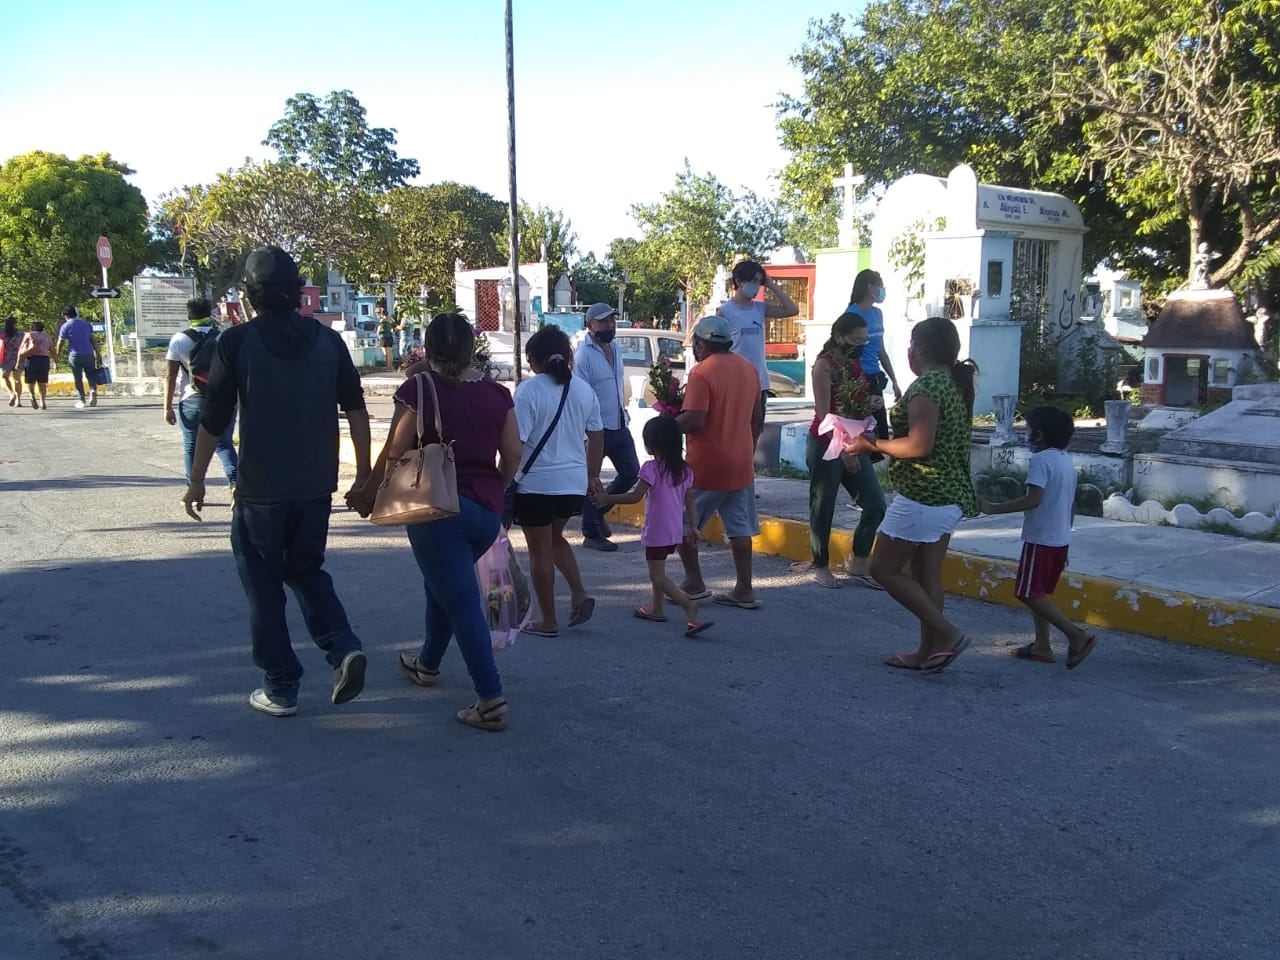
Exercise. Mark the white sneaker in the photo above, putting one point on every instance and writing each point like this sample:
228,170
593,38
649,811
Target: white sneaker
263,702
79,404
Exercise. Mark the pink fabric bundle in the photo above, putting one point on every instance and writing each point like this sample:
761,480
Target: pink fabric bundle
842,431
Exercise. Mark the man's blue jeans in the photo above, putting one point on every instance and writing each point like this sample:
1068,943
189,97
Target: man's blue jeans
447,551
189,412
283,543
620,450
83,366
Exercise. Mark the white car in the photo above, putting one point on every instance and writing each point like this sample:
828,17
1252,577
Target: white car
641,346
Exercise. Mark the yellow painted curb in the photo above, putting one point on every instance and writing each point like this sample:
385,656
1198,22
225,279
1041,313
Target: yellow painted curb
1226,625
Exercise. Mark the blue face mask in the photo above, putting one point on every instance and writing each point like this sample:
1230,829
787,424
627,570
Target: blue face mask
750,289
880,294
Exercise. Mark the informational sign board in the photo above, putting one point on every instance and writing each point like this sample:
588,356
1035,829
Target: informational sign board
161,305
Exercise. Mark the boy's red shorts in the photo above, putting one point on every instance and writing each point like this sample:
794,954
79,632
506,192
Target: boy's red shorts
1039,570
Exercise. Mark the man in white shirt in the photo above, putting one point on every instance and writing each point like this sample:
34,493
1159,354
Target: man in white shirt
182,349
598,364
747,316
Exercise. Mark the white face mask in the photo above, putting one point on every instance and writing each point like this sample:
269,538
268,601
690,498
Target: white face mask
750,289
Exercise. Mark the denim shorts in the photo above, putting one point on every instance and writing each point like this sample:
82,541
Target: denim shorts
737,510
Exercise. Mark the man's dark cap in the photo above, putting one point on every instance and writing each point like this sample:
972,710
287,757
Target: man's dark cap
270,267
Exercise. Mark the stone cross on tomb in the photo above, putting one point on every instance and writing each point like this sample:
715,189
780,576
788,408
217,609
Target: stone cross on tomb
848,184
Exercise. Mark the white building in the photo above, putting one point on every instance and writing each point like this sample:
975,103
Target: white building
485,295
992,258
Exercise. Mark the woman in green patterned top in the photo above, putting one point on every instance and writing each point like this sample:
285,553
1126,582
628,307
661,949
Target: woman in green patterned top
932,426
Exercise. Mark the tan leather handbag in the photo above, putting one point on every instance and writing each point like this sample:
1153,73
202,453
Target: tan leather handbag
423,484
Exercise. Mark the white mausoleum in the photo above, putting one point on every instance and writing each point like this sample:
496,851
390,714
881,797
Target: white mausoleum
993,259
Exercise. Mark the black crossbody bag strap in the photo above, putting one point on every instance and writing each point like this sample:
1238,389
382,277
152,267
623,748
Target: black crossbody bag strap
533,457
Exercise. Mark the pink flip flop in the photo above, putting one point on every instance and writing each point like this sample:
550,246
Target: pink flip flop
945,657
900,661
696,628
642,613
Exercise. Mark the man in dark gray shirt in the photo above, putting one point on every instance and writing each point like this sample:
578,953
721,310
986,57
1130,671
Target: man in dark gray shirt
287,374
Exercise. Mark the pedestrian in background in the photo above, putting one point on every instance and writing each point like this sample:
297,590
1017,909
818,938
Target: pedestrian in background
34,357
599,364
9,347
82,355
188,349
867,294
748,318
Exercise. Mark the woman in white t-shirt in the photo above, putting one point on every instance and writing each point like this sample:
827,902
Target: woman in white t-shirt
550,486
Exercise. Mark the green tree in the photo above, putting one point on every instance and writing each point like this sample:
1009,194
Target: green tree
542,228
652,288
699,225
1182,107
438,225
333,138
594,281
316,220
52,210
922,85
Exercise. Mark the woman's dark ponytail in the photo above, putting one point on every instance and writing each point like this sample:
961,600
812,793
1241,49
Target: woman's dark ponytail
940,341
965,374
549,349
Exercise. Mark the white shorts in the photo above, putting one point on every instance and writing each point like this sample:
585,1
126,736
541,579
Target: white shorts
916,523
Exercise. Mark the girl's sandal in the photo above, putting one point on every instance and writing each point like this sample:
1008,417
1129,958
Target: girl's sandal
642,613
419,674
485,715
693,627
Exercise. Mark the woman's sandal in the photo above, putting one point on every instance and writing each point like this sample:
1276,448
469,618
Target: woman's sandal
900,661
945,658
1076,657
485,715
417,672
865,580
694,627
642,613
1028,652
582,612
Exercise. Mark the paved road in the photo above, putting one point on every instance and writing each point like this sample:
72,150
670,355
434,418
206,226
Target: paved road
768,792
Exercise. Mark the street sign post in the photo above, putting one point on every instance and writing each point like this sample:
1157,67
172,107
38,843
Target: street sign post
104,293
103,251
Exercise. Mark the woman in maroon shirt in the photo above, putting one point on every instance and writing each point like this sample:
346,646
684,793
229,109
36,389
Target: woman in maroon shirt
479,421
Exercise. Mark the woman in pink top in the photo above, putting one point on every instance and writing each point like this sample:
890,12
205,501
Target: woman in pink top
666,487
34,358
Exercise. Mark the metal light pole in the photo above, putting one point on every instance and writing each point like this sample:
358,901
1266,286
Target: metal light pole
514,213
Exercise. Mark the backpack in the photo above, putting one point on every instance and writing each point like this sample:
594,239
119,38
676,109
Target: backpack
205,346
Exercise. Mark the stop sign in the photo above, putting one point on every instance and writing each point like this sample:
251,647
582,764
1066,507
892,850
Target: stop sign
104,252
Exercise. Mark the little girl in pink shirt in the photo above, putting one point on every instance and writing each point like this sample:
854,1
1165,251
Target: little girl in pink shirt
666,487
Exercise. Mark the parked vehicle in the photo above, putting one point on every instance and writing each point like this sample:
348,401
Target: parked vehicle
641,346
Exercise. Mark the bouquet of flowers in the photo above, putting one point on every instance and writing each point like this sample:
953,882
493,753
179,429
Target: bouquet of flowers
482,357
668,393
852,394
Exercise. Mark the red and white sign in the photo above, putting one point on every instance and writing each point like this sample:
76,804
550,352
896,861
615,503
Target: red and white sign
104,252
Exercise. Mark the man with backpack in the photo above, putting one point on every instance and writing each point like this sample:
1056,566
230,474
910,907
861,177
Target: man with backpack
191,354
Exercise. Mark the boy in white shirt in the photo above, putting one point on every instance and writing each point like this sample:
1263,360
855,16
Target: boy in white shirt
1048,509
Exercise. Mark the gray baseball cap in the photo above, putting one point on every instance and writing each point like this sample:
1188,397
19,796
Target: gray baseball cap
713,330
600,311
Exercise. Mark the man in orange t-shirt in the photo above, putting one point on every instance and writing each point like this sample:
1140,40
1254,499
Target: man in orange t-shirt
720,403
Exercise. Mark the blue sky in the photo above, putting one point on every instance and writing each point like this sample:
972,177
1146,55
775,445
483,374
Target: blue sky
610,99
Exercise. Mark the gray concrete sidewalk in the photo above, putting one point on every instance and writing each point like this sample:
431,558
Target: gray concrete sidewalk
771,792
